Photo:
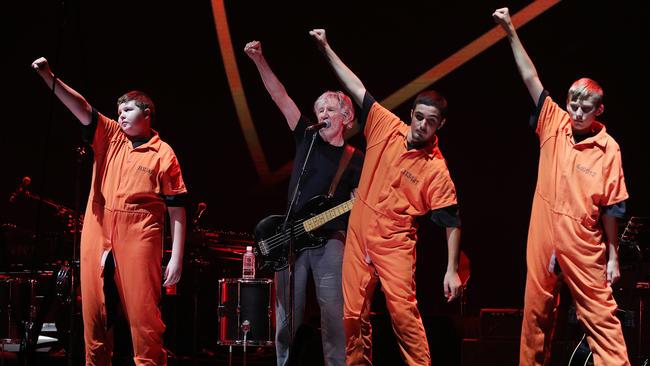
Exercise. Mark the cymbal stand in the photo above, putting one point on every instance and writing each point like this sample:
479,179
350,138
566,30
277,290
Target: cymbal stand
643,289
82,152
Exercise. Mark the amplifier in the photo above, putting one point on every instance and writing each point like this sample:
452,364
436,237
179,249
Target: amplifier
500,324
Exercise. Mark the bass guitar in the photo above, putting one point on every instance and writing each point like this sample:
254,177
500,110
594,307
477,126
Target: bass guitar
581,355
272,244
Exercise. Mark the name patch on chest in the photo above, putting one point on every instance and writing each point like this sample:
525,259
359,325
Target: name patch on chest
583,169
408,175
144,169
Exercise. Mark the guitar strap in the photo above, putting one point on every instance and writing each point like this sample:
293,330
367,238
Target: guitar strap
343,163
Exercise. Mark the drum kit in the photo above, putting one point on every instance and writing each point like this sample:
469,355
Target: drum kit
34,273
36,270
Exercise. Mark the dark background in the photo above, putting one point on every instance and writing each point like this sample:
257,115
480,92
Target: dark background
170,50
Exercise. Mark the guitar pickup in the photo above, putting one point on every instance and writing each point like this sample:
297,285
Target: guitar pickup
264,249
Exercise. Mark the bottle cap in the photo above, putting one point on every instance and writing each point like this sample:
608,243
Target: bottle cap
249,248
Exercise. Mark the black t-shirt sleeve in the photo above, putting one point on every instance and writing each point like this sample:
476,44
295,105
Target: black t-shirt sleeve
368,101
88,131
177,200
615,210
540,103
446,216
301,127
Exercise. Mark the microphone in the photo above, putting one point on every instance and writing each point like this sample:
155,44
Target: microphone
317,126
200,209
22,188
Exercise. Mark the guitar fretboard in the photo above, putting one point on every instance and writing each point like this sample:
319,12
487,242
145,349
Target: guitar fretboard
325,217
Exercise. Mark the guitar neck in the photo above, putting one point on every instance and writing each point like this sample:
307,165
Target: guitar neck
327,216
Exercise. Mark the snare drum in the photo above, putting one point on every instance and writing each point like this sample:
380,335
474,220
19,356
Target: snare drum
245,312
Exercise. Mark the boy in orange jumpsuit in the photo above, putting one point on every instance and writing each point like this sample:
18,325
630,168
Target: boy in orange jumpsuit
580,180
135,176
404,176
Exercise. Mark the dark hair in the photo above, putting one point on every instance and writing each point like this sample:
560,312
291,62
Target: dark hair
142,100
434,99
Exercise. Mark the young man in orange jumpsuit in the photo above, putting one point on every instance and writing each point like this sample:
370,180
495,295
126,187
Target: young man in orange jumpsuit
404,176
135,176
580,180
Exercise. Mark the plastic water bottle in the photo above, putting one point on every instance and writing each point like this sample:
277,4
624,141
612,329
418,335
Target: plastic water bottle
248,267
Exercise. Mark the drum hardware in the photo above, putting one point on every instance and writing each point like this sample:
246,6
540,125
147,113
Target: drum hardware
227,252
28,324
77,222
18,311
66,214
217,249
245,328
66,277
64,281
220,237
634,241
204,244
643,290
20,190
200,210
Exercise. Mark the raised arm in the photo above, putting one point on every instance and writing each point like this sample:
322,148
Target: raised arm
524,64
273,85
76,103
350,81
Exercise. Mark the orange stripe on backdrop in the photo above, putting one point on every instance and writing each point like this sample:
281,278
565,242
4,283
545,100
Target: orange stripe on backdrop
237,91
465,54
408,91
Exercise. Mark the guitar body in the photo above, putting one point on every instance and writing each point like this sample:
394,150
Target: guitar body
582,356
272,246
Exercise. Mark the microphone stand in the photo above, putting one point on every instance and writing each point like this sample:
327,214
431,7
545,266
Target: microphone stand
291,257
197,274
82,152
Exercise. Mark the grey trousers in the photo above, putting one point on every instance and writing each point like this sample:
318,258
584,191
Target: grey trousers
325,263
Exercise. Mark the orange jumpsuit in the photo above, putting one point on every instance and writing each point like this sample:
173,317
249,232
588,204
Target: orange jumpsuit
125,214
397,185
574,181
